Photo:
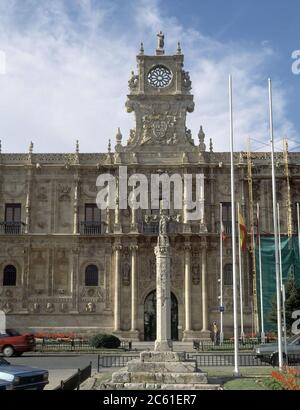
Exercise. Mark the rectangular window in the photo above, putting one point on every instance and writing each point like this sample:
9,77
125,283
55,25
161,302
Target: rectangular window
13,213
92,214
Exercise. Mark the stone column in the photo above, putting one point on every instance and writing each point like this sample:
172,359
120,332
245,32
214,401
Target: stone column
133,288
204,287
163,295
75,219
75,279
28,201
117,316
212,199
187,286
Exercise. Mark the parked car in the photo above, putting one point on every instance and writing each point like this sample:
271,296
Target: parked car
23,377
4,385
269,352
12,343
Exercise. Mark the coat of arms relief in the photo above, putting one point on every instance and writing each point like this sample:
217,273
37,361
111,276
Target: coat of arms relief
155,129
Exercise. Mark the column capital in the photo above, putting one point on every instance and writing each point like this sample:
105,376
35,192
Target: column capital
117,247
133,248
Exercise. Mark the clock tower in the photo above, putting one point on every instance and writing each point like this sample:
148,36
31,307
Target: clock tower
160,96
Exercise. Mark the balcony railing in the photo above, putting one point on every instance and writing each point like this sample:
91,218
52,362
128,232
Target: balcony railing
12,228
91,228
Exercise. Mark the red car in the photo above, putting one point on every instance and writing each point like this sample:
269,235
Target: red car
12,343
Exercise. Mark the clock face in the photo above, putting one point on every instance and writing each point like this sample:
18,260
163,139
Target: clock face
159,76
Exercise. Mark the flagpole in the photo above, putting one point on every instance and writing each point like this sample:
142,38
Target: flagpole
235,316
281,282
240,275
221,275
262,334
298,223
278,293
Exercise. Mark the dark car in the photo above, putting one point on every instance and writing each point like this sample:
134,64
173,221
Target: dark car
23,377
12,343
4,385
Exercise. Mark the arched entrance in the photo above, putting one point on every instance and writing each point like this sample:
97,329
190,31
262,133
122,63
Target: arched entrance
150,317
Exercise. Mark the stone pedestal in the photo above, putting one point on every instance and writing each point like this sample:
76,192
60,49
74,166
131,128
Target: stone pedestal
161,371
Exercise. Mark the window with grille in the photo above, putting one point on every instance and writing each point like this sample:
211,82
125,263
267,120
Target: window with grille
13,213
92,214
91,275
9,276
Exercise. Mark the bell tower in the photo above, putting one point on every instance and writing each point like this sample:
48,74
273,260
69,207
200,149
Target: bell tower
160,96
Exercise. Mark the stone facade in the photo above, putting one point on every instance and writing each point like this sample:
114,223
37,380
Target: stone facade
54,246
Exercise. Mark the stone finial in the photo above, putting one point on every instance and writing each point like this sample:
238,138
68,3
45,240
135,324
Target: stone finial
160,43
142,49
77,146
31,148
178,51
0,147
201,136
119,136
211,148
109,146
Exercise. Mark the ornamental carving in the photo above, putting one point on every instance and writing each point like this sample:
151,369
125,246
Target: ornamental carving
90,307
187,83
196,274
126,274
155,127
133,81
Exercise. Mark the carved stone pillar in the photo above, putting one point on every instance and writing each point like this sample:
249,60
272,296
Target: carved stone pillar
134,330
117,316
212,200
75,220
204,330
75,280
28,201
187,288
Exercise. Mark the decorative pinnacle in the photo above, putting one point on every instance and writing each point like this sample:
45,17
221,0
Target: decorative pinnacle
211,148
109,146
77,146
119,136
0,146
142,49
178,51
31,148
201,137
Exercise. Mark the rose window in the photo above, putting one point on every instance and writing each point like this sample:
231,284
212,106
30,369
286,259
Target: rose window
159,76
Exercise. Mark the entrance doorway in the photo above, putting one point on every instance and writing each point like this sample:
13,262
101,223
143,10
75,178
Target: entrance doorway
150,317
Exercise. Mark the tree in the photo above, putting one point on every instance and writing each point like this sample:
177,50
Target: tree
292,302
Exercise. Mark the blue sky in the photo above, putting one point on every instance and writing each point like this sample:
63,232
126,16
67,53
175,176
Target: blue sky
68,63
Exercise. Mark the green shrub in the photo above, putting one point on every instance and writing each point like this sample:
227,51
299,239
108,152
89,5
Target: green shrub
105,341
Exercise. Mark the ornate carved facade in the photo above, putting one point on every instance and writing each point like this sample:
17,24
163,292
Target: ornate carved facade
84,271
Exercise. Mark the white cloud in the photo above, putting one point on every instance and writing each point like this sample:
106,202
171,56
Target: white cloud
67,72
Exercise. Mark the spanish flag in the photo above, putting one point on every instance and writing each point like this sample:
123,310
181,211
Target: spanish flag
243,233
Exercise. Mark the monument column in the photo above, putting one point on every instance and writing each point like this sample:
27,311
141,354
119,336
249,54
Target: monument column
204,288
134,249
163,340
187,288
117,316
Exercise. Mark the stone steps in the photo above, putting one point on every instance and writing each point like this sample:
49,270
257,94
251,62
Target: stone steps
124,376
158,386
162,367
